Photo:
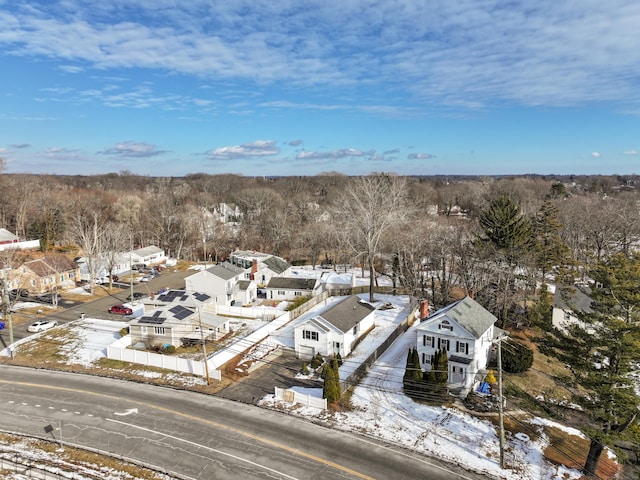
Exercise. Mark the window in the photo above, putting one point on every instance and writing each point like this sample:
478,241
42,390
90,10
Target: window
297,294
426,359
281,292
445,325
355,328
62,278
567,316
158,330
443,343
428,341
462,347
310,335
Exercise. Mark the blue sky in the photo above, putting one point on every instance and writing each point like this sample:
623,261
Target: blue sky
290,87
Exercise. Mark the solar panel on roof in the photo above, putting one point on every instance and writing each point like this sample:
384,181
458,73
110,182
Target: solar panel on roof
201,297
180,312
153,320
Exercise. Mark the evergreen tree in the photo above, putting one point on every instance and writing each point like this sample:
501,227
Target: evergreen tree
550,250
541,313
339,358
516,357
413,374
505,226
331,387
603,353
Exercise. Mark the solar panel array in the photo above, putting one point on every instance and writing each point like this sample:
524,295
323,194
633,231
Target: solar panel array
155,319
201,297
173,295
180,312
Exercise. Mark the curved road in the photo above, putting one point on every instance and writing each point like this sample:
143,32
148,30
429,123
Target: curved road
194,436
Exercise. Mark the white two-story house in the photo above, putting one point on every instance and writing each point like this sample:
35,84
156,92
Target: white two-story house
468,333
221,282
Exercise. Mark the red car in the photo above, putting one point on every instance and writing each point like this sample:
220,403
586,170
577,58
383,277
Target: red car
120,310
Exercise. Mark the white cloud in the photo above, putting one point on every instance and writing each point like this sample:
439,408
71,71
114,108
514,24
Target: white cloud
132,150
595,154
420,156
259,148
630,152
333,154
459,55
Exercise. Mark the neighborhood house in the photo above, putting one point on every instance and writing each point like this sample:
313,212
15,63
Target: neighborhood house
335,330
467,332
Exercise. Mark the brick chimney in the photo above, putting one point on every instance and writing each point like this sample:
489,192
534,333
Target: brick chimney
424,309
254,269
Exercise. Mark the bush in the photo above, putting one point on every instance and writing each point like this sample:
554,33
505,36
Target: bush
297,302
317,361
516,357
169,349
305,369
124,332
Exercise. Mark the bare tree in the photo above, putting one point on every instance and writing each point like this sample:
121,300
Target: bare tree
369,208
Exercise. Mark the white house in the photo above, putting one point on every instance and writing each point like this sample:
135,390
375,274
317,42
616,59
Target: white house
148,256
468,333
220,282
568,302
246,293
260,267
101,266
176,324
334,330
290,288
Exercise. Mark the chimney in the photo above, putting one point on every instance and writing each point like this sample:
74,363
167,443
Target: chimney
424,309
254,269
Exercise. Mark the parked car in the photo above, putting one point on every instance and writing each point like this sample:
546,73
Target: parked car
41,326
145,278
135,296
120,310
48,297
18,293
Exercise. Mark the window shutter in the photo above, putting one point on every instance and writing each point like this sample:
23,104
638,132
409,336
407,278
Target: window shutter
424,340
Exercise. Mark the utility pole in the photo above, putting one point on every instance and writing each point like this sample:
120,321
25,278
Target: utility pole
131,267
6,310
500,402
204,348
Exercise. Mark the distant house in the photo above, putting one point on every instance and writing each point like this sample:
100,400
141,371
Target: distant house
44,275
290,288
335,330
9,241
147,256
219,281
467,332
260,267
228,213
568,302
119,265
337,282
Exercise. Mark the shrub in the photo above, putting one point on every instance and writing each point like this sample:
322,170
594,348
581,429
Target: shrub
169,349
317,361
516,357
124,331
297,302
305,369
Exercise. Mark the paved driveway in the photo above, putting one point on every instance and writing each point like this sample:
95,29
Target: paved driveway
279,372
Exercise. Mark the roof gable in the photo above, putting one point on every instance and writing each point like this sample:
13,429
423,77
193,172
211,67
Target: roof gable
292,283
347,313
225,270
467,313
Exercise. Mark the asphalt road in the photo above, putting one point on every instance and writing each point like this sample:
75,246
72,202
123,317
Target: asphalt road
194,436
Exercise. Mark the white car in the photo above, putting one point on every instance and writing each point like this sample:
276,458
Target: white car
41,326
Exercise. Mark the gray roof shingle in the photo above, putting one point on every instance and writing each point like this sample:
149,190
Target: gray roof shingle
347,313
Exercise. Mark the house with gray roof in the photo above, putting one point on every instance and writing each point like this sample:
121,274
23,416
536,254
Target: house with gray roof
260,267
568,303
336,329
290,288
220,282
467,332
147,256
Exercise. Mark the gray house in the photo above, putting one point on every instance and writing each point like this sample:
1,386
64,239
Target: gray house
288,288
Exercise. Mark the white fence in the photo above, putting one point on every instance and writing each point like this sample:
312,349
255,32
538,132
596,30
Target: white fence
259,313
291,396
26,245
118,351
